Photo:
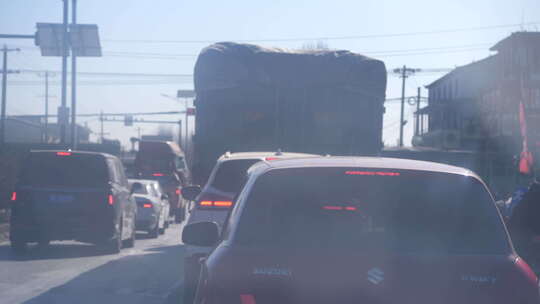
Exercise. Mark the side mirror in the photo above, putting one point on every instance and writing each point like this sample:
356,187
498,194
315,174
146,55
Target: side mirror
205,234
190,193
136,187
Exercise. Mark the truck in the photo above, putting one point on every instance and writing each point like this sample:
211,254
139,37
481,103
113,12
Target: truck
165,162
251,98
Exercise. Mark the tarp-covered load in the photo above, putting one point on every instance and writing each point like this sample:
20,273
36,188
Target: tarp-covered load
227,65
251,98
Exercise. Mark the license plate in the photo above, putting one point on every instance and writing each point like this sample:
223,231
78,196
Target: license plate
60,198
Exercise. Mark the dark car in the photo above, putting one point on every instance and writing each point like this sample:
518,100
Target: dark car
71,195
361,230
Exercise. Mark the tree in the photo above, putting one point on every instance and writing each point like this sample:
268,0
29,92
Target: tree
315,46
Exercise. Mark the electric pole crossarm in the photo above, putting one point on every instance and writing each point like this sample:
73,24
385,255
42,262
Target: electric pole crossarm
15,36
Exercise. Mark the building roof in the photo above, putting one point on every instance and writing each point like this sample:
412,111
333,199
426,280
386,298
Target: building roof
480,64
517,38
361,162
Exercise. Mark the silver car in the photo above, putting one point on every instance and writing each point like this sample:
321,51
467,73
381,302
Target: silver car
153,207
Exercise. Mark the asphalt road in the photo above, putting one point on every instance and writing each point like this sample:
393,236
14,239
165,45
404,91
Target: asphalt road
71,272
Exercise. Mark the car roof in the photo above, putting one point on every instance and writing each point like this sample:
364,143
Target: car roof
260,155
360,162
75,151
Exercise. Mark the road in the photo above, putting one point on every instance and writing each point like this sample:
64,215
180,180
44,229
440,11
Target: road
71,272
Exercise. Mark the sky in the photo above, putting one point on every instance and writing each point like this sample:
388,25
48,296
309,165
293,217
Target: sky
165,36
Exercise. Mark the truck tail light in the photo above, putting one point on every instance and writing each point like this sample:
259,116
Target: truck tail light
13,196
110,199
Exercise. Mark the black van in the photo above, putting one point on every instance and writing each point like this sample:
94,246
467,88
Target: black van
72,195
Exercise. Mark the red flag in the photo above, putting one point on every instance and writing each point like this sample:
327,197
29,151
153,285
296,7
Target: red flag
526,158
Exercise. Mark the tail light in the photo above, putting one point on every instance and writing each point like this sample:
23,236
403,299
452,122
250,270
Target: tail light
13,196
178,192
147,205
110,199
63,153
158,174
247,299
215,204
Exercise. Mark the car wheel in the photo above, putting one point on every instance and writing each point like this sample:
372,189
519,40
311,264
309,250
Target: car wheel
19,247
166,225
130,243
154,232
114,245
191,278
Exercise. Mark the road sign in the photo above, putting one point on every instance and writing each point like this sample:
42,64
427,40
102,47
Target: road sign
84,39
185,94
49,39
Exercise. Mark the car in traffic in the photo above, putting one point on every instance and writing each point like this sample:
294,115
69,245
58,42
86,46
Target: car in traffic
153,207
361,230
72,195
215,200
165,162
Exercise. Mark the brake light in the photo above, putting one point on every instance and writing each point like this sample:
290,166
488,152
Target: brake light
13,196
270,158
223,203
247,299
147,205
111,199
63,153
373,173
178,192
158,174
333,208
220,204
337,208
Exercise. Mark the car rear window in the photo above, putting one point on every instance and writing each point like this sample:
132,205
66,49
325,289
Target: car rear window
230,175
396,211
68,170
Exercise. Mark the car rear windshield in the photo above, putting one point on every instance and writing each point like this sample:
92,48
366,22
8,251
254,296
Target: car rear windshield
68,170
230,175
396,211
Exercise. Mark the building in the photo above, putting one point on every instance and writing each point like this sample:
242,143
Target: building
476,107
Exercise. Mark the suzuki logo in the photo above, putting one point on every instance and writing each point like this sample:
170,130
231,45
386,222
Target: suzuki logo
375,275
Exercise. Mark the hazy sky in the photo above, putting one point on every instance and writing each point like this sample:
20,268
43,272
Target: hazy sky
164,37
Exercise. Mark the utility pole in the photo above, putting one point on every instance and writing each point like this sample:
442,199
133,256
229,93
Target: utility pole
404,73
46,106
5,51
417,126
101,132
180,133
65,50
74,138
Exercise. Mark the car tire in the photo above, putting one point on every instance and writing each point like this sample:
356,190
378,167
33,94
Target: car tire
191,279
166,225
154,232
130,243
114,245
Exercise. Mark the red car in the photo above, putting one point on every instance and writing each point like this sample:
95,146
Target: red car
361,230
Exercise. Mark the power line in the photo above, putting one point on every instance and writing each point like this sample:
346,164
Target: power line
455,30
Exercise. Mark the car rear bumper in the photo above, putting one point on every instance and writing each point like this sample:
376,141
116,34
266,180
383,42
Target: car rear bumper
61,231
